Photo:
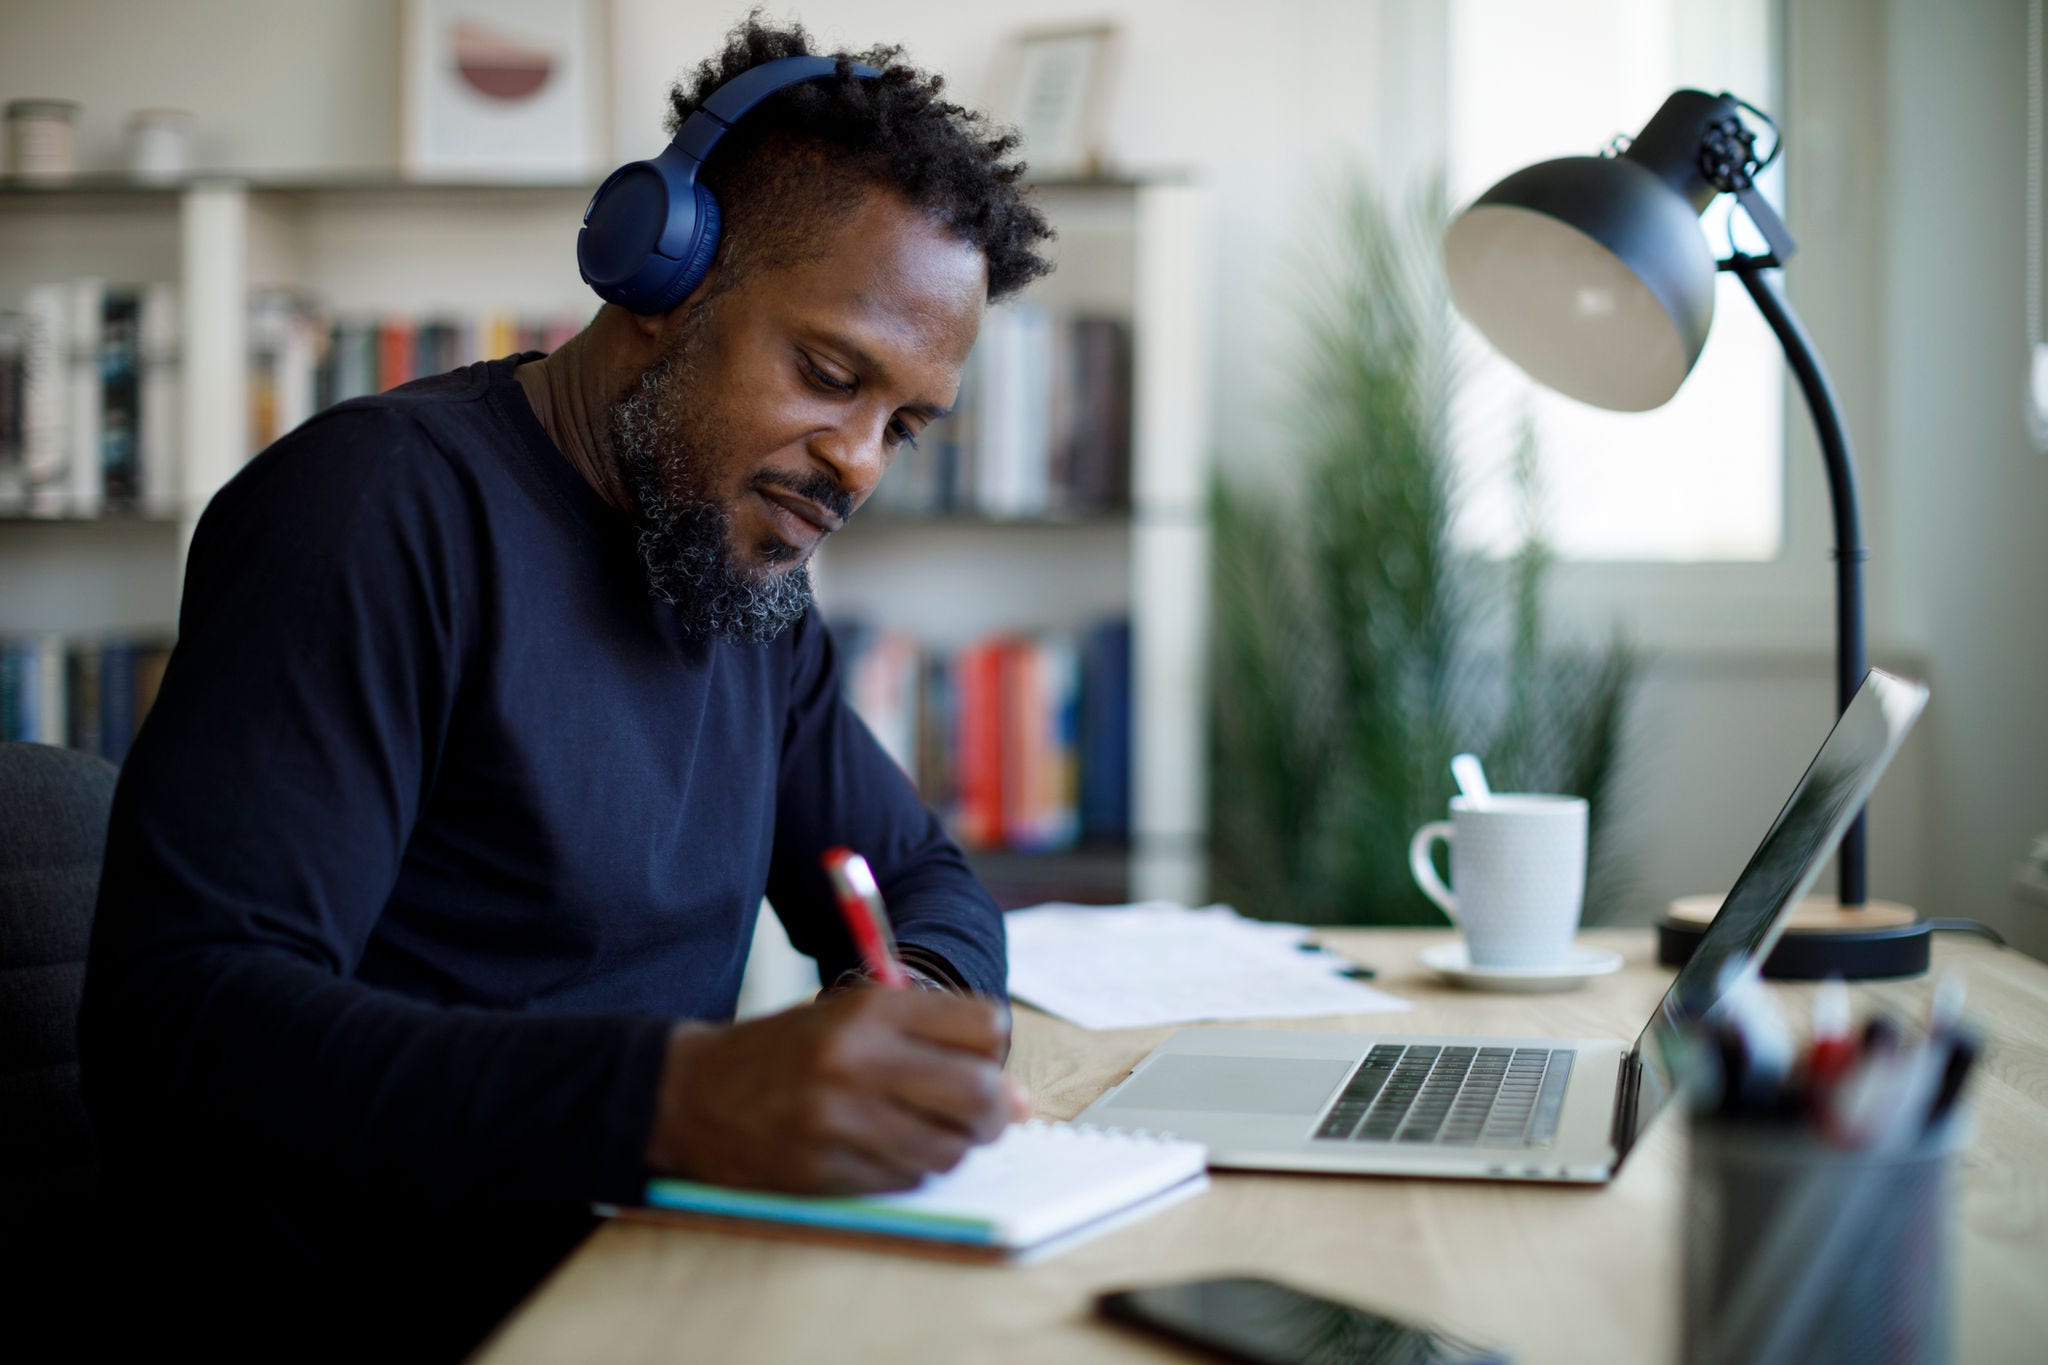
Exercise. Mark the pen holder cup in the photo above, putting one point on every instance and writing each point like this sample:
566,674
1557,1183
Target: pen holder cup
1800,1251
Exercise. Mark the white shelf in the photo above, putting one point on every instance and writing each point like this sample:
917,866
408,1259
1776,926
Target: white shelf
1009,576
88,577
421,249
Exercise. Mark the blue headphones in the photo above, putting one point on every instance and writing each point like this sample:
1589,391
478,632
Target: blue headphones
650,230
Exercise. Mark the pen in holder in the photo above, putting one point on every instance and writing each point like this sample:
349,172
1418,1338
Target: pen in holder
1799,1250
1818,1185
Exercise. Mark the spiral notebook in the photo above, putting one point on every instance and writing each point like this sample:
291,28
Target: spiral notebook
1038,1189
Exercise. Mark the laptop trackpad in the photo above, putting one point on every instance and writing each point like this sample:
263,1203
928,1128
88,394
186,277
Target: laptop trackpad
1232,1085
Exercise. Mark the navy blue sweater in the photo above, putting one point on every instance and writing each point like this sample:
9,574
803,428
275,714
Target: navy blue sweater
438,824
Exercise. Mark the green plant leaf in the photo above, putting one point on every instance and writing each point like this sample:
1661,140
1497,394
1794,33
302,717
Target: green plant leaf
1354,645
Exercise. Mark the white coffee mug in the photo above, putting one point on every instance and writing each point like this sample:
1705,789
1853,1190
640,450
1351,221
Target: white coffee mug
1519,866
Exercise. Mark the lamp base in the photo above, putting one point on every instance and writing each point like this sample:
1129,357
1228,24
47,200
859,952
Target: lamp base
1877,939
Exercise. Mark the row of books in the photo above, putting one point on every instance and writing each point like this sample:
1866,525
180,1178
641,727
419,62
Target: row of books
89,399
1019,741
89,395
1041,428
302,359
87,693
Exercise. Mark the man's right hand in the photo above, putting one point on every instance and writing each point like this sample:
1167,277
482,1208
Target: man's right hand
864,1090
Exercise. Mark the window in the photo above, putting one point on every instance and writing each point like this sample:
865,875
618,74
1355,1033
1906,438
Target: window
1702,478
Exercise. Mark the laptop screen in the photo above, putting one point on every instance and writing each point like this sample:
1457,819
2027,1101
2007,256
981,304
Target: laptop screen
1834,787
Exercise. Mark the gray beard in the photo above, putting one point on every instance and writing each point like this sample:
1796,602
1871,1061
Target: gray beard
685,539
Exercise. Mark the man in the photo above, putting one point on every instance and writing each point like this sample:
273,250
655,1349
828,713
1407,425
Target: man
498,704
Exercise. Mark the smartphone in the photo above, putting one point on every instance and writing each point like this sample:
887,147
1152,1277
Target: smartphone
1267,1323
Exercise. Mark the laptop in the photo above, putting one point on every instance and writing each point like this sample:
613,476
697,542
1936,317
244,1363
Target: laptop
1495,1108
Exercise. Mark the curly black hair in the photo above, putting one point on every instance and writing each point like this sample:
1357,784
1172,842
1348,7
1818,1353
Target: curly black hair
799,157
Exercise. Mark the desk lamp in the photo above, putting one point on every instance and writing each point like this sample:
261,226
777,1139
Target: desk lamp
1591,273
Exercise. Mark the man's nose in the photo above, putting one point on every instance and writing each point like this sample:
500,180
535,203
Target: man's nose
858,456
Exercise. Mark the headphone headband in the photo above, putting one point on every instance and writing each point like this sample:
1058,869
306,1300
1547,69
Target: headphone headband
650,231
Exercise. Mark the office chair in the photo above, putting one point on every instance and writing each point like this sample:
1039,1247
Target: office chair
54,805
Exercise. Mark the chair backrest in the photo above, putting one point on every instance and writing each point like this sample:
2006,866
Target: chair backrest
53,830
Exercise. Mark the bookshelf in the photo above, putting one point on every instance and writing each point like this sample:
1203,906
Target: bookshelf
86,574
378,244
367,243
1132,251
89,594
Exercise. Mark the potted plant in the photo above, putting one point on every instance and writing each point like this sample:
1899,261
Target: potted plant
1357,647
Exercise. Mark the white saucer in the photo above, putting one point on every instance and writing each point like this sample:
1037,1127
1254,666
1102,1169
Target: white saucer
1580,965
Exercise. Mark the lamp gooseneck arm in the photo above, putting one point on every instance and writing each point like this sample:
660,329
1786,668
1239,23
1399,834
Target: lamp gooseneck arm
1849,550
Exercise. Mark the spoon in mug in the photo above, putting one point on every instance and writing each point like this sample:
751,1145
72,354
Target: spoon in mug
1472,780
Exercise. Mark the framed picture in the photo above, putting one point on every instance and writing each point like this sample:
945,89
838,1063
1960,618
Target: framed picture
505,89
1054,85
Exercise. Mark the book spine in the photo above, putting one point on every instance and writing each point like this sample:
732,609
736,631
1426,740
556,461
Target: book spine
51,721
430,343
157,451
150,662
896,687
1034,474
266,343
46,400
298,364
13,360
1105,733
342,371
1017,742
954,477
1062,662
28,687
28,690
117,699
876,668
84,686
1022,755
85,484
396,362
10,690
981,744
121,396
936,750
1099,465
998,435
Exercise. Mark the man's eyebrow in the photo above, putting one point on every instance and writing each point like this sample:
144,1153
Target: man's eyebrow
872,367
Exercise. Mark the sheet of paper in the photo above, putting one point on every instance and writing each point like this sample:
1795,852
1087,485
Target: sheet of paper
1134,966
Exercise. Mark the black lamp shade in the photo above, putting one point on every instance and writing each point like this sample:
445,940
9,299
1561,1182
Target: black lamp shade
1591,274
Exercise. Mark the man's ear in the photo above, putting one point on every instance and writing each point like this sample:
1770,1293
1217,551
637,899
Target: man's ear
662,329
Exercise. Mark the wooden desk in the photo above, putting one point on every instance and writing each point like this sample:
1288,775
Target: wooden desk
1579,1274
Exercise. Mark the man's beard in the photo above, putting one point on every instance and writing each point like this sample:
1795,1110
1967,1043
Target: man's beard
667,454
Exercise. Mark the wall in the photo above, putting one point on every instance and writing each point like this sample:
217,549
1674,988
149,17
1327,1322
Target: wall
1257,102
1263,102
1905,126
278,85
1970,497
1908,281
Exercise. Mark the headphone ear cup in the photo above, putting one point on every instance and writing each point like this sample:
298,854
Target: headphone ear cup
703,247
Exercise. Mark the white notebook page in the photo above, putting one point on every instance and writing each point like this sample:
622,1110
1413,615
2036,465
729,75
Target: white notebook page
1158,963
1041,1179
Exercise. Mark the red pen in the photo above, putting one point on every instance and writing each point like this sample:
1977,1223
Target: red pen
860,902
1831,1053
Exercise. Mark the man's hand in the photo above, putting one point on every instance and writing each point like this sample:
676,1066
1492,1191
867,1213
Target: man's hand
864,1090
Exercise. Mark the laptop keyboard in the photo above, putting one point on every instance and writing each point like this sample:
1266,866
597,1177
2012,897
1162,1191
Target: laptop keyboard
1452,1096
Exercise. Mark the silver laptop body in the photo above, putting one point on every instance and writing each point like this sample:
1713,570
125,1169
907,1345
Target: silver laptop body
1473,1107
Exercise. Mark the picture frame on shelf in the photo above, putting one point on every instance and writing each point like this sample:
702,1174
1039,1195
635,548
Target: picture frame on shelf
1053,85
504,90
